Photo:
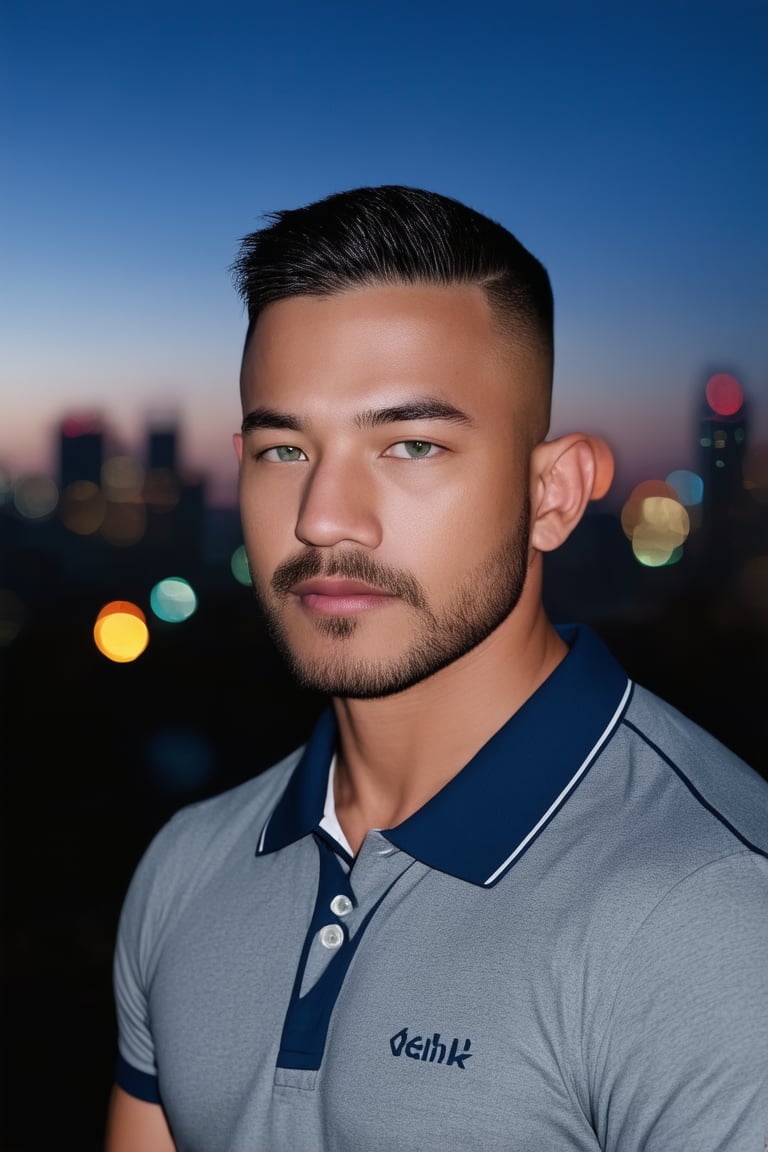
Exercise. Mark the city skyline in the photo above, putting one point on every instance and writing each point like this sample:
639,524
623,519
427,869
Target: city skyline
221,488
625,147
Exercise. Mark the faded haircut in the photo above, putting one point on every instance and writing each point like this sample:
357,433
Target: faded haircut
392,234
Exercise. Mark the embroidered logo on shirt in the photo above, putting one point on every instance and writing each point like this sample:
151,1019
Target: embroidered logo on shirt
432,1049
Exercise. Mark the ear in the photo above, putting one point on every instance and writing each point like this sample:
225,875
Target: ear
237,440
566,474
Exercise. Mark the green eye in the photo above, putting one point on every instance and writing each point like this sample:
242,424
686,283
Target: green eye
284,453
417,449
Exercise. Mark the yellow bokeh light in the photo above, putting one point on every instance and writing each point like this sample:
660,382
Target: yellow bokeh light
668,517
122,478
121,632
651,546
81,507
632,512
656,522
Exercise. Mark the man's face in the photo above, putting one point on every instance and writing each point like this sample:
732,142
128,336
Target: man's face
383,481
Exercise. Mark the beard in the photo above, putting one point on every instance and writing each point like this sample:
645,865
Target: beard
485,598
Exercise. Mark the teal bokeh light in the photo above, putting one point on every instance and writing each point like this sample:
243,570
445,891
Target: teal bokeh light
239,566
173,600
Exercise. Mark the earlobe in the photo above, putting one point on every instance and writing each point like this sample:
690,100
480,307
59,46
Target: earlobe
566,474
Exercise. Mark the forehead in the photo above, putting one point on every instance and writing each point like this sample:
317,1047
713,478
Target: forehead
379,338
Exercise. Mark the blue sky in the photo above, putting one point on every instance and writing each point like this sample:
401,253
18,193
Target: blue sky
625,144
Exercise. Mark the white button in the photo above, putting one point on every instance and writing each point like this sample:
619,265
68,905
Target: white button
341,905
331,936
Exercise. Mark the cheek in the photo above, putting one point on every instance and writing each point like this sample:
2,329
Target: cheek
267,530
482,503
450,526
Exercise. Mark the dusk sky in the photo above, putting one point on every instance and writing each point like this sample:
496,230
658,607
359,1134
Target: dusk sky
623,143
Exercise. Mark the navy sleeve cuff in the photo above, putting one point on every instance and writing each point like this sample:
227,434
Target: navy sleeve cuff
136,1083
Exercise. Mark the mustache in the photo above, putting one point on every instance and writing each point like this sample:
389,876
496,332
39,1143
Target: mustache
348,566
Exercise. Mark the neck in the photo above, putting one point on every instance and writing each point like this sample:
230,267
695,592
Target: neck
398,751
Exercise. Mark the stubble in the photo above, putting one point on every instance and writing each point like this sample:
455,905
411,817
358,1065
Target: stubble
488,593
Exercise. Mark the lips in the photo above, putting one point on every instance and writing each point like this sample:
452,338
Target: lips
332,597
331,587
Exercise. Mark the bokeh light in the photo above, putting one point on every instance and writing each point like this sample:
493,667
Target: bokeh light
239,566
656,522
120,631
724,394
82,424
122,478
688,486
35,497
632,512
605,467
82,507
173,600
663,529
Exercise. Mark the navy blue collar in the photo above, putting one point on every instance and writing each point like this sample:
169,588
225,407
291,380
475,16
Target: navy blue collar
481,822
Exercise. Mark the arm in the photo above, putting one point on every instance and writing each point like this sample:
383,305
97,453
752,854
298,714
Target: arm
133,1125
683,1062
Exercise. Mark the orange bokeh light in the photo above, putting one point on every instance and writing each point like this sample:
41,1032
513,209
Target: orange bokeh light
120,632
605,467
125,606
632,512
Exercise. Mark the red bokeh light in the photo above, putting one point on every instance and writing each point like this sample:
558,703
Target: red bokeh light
81,424
725,395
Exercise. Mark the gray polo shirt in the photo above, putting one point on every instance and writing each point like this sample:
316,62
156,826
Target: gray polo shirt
566,948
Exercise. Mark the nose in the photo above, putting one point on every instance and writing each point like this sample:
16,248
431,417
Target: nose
338,506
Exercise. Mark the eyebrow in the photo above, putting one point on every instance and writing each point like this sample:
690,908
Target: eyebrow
428,409
271,418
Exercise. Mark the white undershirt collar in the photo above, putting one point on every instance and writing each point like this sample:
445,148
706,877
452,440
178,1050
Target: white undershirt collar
329,822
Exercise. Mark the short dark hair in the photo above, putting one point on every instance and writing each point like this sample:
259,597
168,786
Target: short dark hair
394,234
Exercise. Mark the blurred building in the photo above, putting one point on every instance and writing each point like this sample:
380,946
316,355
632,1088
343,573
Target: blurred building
111,518
80,449
733,527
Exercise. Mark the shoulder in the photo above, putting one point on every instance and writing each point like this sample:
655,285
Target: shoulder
681,874
236,811
201,837
669,829
697,772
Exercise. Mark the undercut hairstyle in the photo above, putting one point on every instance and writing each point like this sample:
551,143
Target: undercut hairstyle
391,234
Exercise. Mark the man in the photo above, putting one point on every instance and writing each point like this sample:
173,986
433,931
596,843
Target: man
504,898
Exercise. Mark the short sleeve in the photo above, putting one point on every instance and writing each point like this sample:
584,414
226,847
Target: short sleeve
136,948
683,1061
